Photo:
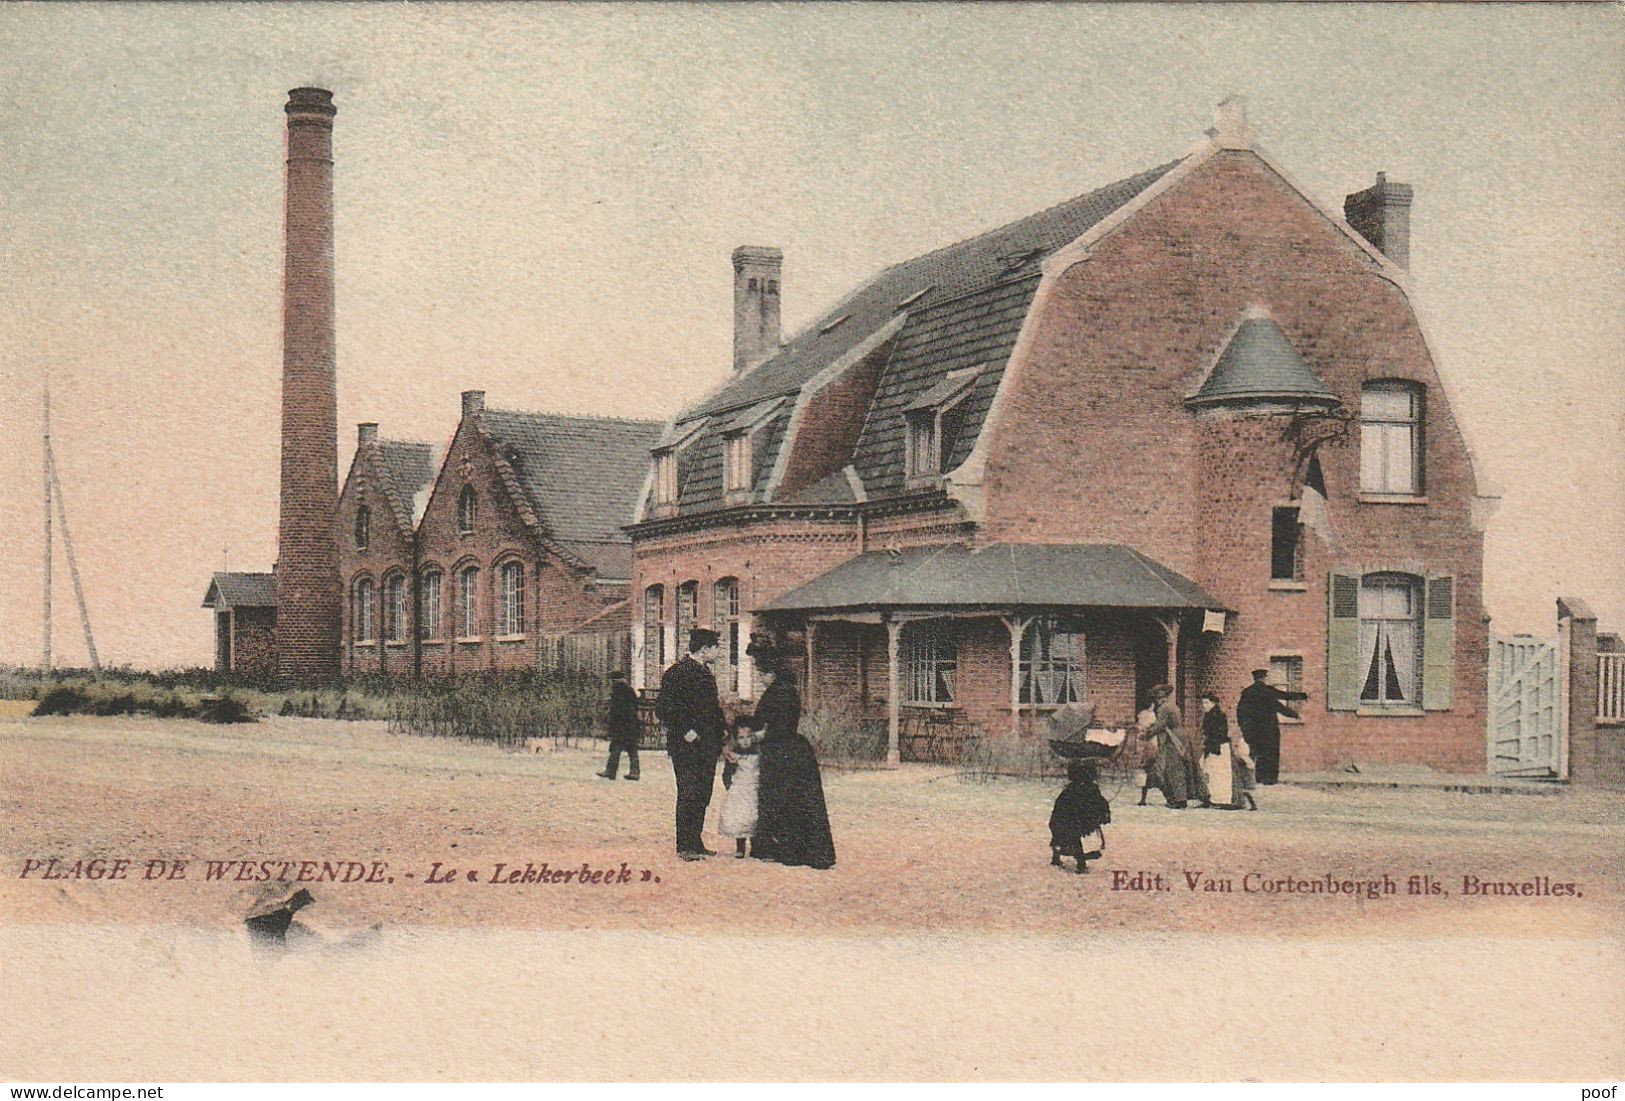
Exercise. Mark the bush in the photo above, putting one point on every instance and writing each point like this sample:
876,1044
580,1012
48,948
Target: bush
1026,758
842,738
62,701
227,709
505,708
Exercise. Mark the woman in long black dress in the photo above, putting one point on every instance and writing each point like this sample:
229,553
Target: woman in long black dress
792,825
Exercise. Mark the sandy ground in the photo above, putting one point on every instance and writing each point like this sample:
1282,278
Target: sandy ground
941,946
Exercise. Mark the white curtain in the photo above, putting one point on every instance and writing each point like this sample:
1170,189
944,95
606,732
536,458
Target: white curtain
1401,639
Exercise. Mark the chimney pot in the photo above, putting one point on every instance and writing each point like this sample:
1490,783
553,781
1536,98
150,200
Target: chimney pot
757,271
473,402
366,432
1382,215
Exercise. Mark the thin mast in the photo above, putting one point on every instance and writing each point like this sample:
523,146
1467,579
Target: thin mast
45,454
73,562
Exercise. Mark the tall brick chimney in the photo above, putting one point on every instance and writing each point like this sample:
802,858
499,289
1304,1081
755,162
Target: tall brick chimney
757,271
1382,215
309,596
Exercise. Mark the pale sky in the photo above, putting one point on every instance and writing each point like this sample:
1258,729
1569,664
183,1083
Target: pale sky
540,201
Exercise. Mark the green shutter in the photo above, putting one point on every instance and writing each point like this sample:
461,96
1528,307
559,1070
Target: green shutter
1439,644
1343,642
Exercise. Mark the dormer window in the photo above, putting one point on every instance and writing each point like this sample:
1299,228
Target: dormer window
936,423
665,477
739,438
736,473
363,527
467,510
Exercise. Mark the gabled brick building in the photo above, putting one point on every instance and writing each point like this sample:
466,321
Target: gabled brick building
1176,428
506,552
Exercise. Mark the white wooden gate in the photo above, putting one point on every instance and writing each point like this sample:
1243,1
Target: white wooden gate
1528,721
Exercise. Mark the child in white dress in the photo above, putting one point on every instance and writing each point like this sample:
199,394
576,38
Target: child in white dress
741,777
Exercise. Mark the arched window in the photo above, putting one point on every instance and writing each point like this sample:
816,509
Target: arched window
467,510
429,597
725,610
363,527
511,603
468,603
931,658
394,608
654,634
1052,662
688,605
1390,639
1391,437
361,615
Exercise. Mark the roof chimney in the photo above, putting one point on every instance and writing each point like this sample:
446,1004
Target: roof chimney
366,432
1382,215
308,590
473,402
757,270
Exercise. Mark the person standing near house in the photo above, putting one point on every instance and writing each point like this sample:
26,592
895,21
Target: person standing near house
792,821
1258,714
1216,759
623,727
1167,769
689,710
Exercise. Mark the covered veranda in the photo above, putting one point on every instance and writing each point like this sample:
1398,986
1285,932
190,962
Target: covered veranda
941,641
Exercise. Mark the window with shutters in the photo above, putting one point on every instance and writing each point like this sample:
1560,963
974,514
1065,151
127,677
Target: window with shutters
1391,438
931,658
1052,663
1390,642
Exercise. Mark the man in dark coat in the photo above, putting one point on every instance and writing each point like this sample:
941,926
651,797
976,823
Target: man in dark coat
623,727
689,710
1257,713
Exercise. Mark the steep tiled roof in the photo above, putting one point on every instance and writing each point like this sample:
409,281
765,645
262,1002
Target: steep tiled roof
1259,362
409,467
241,590
1000,575
964,305
581,476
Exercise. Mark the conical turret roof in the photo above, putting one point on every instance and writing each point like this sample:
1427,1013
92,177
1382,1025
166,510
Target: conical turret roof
1260,363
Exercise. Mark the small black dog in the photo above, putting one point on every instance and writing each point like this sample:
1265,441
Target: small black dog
1080,810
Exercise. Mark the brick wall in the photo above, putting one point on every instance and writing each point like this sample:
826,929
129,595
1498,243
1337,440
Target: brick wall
388,553
1095,443
558,595
253,640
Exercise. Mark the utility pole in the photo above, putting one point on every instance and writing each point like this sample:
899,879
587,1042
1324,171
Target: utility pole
73,563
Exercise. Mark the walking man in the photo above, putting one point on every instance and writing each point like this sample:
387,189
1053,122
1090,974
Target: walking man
689,710
1258,714
623,727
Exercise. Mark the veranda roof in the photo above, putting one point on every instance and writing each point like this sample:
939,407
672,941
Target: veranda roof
999,575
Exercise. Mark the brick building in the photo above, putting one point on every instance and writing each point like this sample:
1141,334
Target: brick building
507,553
1176,428
244,606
